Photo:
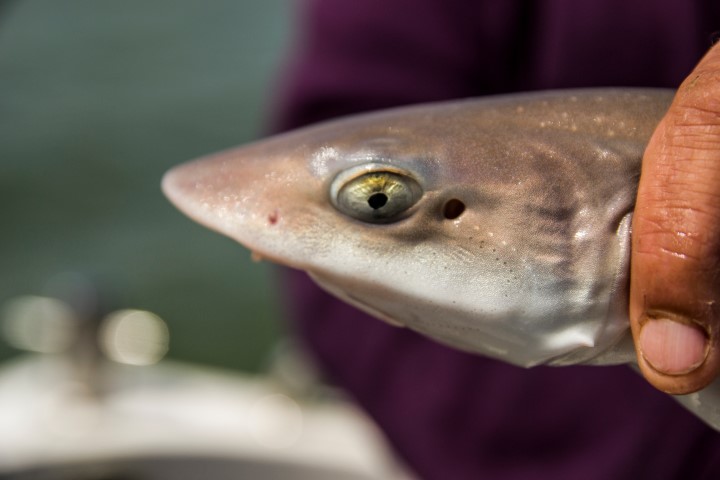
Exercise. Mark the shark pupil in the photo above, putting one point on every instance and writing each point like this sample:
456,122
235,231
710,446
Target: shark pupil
377,200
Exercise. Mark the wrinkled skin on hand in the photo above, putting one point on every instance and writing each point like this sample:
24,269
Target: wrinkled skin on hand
675,273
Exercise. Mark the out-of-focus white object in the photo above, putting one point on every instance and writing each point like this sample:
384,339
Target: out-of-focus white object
176,411
102,405
134,337
38,324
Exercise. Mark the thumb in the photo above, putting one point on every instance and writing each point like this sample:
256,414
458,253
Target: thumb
675,268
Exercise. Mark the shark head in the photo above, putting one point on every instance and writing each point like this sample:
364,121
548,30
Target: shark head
498,226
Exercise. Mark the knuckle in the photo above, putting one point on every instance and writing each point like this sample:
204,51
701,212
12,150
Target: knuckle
681,232
697,102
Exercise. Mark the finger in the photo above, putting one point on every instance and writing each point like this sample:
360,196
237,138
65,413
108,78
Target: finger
675,267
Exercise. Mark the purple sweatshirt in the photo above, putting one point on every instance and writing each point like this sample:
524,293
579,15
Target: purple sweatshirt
449,414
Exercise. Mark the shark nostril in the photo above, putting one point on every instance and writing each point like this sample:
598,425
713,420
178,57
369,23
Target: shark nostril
453,209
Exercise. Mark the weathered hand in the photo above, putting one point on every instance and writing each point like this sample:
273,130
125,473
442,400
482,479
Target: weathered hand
675,276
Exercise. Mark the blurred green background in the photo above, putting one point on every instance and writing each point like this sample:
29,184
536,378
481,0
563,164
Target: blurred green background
97,100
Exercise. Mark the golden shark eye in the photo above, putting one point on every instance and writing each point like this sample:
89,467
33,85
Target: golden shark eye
374,193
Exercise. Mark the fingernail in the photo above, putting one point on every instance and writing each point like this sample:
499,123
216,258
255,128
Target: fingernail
672,348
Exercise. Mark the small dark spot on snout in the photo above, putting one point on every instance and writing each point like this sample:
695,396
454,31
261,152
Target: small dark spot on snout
273,217
453,208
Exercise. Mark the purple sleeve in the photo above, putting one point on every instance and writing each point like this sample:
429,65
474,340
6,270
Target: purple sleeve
451,415
354,56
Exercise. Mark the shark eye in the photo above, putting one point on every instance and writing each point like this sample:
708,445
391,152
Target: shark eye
375,193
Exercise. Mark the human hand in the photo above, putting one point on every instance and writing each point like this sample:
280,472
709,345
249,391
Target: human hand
675,267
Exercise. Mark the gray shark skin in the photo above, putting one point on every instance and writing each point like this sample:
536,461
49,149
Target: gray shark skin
499,226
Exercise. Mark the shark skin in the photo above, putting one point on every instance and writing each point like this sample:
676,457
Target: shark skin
499,225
